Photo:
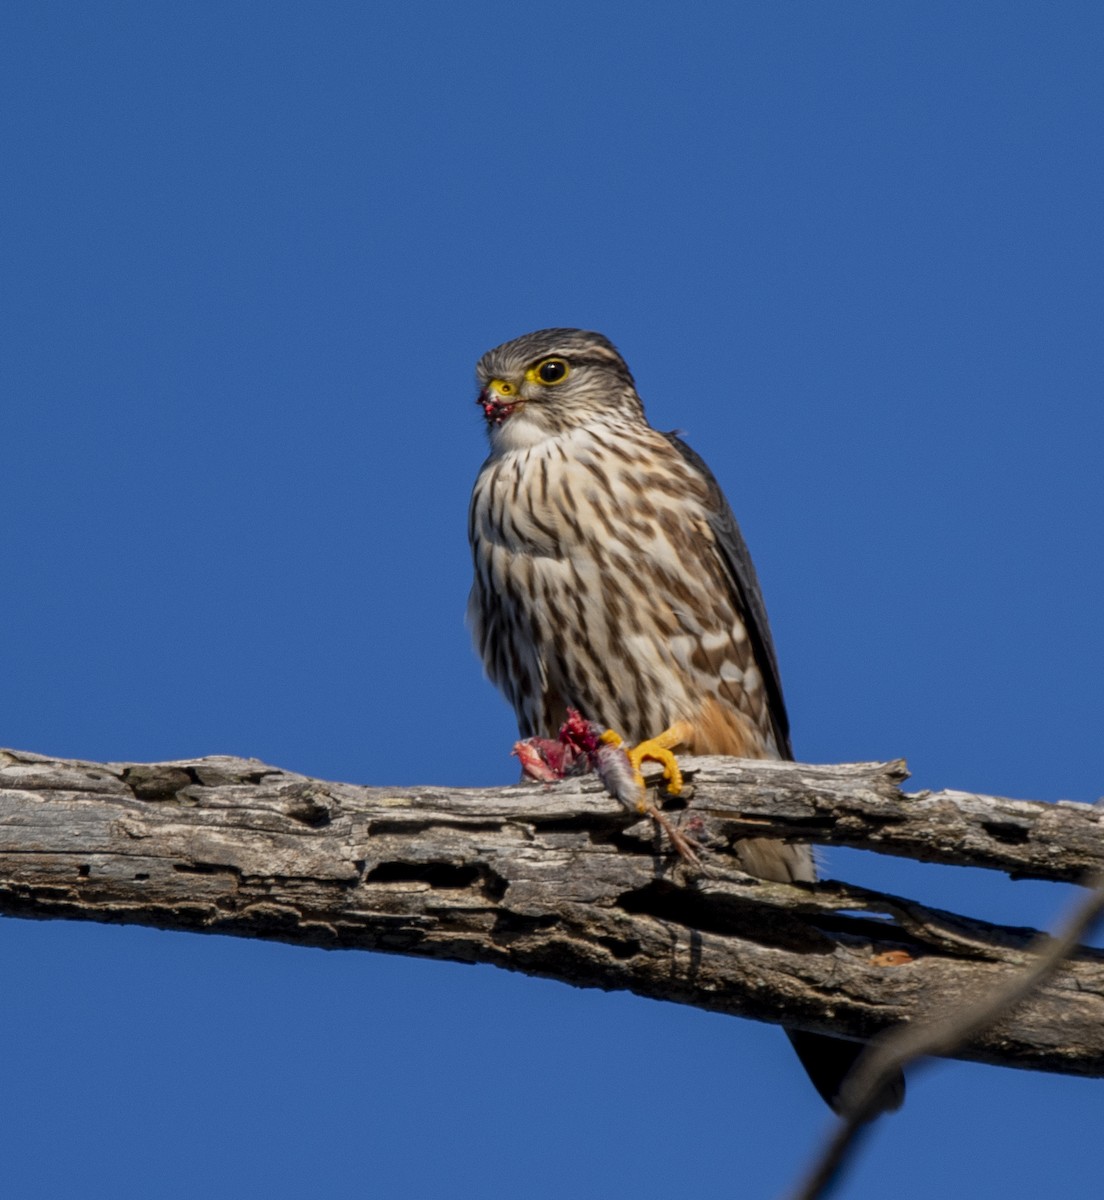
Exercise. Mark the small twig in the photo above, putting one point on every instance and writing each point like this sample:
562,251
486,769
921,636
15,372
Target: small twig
940,1036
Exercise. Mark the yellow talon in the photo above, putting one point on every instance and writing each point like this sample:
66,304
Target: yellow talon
656,749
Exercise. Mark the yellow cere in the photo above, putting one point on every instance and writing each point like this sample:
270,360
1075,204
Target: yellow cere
502,387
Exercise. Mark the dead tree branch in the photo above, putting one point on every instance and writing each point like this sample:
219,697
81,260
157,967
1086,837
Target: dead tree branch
562,882
940,1034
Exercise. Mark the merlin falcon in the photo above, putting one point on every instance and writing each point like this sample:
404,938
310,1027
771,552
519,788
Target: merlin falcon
611,578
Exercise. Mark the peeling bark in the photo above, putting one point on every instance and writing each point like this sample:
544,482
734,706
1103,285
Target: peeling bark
562,882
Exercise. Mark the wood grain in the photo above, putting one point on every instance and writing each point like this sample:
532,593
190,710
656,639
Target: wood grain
562,882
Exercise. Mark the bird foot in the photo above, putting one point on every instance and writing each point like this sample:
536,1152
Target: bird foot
655,749
658,749
581,745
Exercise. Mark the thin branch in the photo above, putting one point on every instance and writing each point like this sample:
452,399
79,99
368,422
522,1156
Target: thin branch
890,1053
561,882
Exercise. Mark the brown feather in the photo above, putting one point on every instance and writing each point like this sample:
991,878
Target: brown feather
611,577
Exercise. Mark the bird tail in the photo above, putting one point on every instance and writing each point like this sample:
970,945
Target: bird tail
828,1062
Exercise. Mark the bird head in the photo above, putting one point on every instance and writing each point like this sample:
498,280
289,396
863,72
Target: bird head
545,383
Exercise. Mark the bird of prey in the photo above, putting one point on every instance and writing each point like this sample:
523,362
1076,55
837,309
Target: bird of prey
611,578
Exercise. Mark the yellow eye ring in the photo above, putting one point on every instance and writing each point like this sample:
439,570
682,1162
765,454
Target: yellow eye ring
549,371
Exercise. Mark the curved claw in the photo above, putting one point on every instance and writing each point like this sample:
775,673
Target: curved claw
655,749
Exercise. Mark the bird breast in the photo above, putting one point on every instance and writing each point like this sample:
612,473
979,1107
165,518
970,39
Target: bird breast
596,579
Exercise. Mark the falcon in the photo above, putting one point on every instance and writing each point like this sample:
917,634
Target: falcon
611,578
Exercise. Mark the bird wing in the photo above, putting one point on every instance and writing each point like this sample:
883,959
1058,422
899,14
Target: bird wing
746,593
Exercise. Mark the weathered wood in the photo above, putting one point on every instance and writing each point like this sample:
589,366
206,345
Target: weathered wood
938,1034
861,804
562,882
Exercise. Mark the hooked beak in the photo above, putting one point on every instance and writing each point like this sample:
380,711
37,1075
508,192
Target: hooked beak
499,400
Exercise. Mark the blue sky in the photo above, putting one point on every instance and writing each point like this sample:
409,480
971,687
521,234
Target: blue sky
251,252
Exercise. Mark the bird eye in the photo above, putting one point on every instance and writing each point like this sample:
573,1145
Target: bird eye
552,370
